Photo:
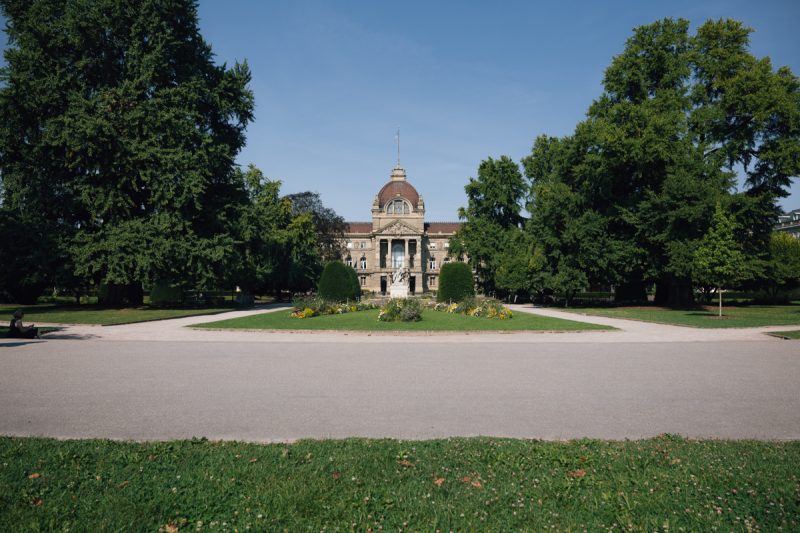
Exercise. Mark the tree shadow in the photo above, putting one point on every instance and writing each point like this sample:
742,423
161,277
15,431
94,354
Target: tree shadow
19,343
49,333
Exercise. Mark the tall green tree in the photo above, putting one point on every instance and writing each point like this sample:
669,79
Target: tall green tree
782,272
277,243
570,238
679,117
329,226
118,126
718,260
494,211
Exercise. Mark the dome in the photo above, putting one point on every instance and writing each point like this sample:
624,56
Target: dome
398,187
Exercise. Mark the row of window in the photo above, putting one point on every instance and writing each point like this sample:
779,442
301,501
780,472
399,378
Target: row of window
362,263
362,245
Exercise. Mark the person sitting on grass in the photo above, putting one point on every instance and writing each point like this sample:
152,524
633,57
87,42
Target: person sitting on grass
18,331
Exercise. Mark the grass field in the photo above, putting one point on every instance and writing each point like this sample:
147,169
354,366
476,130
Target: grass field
93,314
704,317
431,321
473,484
794,334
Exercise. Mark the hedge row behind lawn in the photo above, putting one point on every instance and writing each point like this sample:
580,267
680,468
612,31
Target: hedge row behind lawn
478,484
339,282
455,282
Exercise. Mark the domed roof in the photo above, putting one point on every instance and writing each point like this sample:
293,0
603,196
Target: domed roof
398,187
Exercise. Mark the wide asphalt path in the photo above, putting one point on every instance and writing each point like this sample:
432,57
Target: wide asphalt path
281,387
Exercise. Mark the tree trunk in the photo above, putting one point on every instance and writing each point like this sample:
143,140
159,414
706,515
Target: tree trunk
119,295
720,302
135,293
662,292
674,292
631,291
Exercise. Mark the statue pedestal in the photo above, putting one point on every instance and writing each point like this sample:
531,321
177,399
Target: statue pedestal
398,290
399,286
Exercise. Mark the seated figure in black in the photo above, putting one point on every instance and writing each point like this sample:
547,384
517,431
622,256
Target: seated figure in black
17,331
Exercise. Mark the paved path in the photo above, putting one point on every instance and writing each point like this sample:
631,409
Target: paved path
643,380
627,331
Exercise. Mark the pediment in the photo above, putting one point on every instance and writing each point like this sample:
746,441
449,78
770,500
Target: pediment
397,228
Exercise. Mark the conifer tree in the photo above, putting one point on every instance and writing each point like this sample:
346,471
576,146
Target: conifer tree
118,127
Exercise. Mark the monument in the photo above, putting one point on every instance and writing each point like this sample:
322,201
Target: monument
399,286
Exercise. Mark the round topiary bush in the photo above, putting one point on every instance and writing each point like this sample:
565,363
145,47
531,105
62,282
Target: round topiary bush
355,286
455,282
338,282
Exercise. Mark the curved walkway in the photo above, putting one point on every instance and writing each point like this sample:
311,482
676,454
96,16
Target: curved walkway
637,382
626,331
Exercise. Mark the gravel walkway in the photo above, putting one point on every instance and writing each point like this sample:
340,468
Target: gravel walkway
627,331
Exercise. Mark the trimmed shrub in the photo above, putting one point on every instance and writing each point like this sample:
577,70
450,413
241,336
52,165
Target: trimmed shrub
355,285
401,310
455,282
337,283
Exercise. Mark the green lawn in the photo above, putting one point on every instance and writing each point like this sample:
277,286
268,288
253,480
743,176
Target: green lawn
93,314
472,484
705,317
368,321
793,334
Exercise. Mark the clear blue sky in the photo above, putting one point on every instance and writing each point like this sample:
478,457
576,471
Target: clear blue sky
463,81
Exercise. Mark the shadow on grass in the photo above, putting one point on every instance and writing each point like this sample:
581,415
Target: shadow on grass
49,308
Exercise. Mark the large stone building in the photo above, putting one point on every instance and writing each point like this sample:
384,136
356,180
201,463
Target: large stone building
398,237
789,223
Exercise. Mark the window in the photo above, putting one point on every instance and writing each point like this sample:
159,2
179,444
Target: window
447,245
362,264
432,246
432,263
349,245
362,244
432,281
363,280
349,261
397,207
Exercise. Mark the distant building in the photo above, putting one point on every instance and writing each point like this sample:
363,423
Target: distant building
398,236
790,223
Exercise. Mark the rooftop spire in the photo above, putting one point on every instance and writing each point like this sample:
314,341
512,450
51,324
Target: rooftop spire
399,173
398,146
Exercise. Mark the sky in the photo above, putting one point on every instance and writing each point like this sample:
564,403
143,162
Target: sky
463,81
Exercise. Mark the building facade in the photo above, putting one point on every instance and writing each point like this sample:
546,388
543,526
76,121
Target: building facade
398,237
789,223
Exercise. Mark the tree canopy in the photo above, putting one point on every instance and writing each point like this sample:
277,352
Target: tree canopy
626,199
119,127
492,216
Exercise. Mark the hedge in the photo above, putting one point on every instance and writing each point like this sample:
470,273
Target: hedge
163,293
339,283
455,282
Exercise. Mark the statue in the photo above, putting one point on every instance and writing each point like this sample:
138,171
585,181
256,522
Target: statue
399,276
399,287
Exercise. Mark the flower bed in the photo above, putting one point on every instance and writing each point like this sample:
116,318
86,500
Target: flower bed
315,306
488,308
401,310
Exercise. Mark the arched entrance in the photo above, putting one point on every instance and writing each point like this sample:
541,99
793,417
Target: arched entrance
398,254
